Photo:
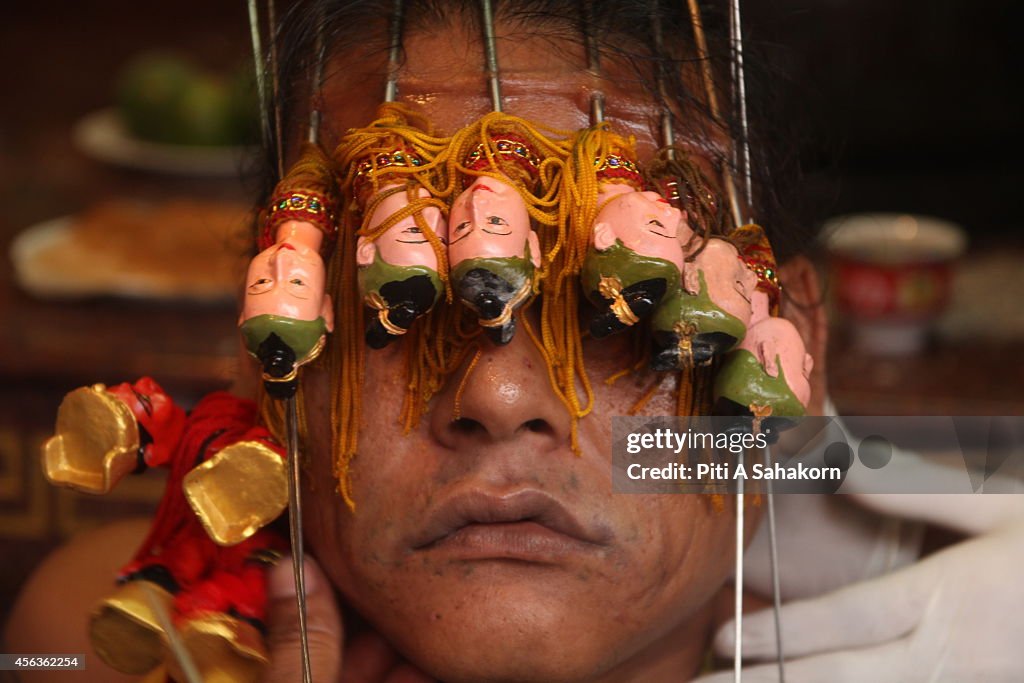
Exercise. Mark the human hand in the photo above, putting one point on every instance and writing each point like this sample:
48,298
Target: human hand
954,616
367,658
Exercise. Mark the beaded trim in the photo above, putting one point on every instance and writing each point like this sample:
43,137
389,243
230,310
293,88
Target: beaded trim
309,207
767,277
510,147
618,166
401,158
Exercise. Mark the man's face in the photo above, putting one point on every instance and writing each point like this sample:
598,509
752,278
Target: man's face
483,548
286,279
489,219
405,244
646,223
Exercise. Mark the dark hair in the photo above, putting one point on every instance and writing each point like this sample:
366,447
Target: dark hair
623,31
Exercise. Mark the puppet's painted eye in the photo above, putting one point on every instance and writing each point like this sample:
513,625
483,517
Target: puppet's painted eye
297,281
496,220
462,226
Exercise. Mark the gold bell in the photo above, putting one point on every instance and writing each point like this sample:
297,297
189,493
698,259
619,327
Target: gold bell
238,491
124,630
96,444
224,649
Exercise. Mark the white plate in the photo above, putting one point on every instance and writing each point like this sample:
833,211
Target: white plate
47,279
102,135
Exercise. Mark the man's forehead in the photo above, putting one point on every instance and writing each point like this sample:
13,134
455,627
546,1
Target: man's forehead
443,74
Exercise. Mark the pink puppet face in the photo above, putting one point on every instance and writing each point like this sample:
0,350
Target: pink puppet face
644,222
730,284
288,280
489,219
404,244
775,341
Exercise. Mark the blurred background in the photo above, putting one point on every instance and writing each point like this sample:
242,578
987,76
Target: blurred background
905,109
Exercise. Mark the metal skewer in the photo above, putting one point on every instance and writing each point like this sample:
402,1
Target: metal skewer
188,666
593,65
291,410
394,52
712,97
739,101
740,95
737,661
491,54
295,532
667,134
773,553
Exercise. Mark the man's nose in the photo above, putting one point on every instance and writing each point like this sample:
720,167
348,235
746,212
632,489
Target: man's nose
506,396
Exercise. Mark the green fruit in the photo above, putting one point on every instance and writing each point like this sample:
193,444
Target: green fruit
203,114
148,88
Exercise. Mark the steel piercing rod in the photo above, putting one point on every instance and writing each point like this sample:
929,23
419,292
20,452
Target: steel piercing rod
294,493
593,65
707,77
491,52
667,134
394,52
275,89
320,52
295,532
188,666
773,552
257,53
740,95
737,662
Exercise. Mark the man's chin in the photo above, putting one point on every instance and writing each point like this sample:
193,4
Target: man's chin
509,631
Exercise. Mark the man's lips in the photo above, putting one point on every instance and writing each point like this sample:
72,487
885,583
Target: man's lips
526,525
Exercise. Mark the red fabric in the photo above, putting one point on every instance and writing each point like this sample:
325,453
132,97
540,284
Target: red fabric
218,420
238,581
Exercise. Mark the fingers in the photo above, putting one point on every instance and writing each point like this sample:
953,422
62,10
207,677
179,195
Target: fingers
368,658
860,615
407,673
968,513
884,664
323,624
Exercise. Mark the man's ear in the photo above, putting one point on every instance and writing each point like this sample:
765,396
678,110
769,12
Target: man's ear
803,305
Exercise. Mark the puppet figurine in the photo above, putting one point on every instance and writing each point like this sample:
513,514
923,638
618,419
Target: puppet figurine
398,272
402,229
492,249
634,259
105,433
768,375
712,311
287,313
216,595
